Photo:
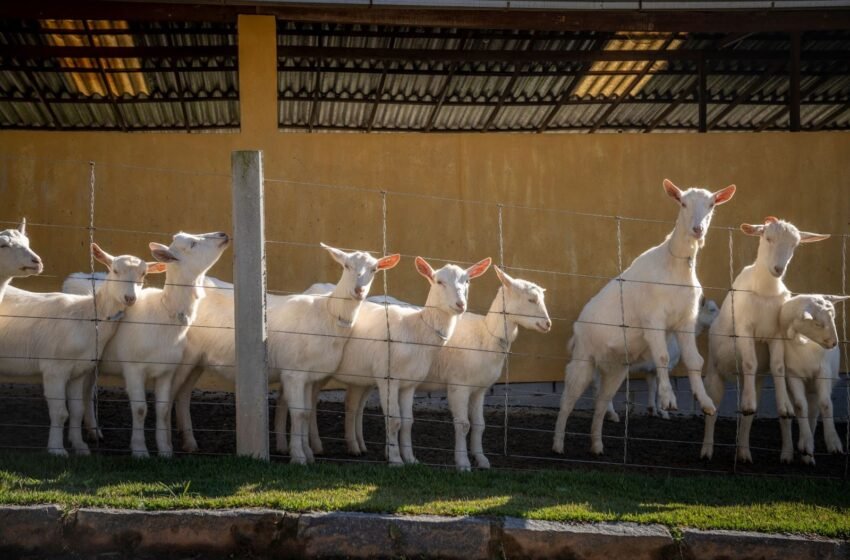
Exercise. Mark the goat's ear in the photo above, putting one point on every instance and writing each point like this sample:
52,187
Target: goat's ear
338,256
23,227
388,262
672,190
835,299
724,195
423,268
102,256
754,230
504,277
806,237
156,267
479,268
162,253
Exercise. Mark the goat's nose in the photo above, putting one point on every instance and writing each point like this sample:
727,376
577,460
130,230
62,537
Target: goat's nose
129,300
547,323
460,305
698,230
358,290
779,270
832,344
36,260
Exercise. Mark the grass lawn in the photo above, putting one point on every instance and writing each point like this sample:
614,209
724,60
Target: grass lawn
722,502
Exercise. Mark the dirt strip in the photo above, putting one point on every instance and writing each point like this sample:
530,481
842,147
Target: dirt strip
37,532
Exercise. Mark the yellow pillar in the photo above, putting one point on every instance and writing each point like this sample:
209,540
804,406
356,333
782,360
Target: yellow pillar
257,76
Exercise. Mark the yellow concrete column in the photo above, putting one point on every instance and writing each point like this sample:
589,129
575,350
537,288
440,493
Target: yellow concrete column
257,76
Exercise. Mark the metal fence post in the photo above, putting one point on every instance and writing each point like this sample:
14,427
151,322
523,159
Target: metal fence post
249,272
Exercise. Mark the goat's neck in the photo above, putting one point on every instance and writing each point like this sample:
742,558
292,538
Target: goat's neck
342,307
4,283
181,294
433,317
107,307
763,282
682,248
502,328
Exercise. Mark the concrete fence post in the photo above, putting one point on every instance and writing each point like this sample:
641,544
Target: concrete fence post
249,274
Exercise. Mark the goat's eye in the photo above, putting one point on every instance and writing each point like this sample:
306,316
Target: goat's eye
347,267
374,270
4,246
192,246
440,282
684,205
532,300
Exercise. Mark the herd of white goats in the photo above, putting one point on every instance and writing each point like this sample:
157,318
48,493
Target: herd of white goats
170,336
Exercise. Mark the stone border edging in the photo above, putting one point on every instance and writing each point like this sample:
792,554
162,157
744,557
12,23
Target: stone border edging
272,533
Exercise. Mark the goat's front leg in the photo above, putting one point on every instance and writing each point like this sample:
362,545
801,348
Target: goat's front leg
354,394
777,368
824,390
459,406
184,381
76,406
89,416
315,438
162,406
476,409
686,338
388,390
134,383
55,384
405,398
806,443
746,348
656,338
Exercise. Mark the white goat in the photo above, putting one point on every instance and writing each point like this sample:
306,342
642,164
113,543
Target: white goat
746,339
415,337
54,334
17,260
468,366
150,342
328,319
812,359
708,311
658,293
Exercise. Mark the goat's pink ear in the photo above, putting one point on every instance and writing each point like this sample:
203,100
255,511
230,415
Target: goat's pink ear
724,195
753,230
770,219
388,262
672,190
156,267
162,253
479,268
806,237
102,256
504,277
423,268
835,299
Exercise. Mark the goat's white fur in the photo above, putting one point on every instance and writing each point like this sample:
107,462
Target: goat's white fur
54,335
753,345
417,335
708,312
812,359
660,294
151,341
306,334
468,366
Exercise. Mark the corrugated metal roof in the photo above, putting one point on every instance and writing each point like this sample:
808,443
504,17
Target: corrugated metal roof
191,92
509,95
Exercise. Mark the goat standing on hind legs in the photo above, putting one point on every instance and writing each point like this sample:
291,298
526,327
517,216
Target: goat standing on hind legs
660,294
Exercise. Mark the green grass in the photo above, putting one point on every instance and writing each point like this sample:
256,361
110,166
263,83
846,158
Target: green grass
722,502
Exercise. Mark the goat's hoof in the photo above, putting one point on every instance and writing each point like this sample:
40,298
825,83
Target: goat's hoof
354,451
808,460
167,454
141,454
464,467
482,462
94,435
58,451
297,460
597,448
558,448
709,410
745,456
398,463
190,446
82,451
706,452
613,417
786,457
318,450
664,415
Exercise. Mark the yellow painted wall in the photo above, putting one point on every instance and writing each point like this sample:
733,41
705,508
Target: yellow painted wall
175,181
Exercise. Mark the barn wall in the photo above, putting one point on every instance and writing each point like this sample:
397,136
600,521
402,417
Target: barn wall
174,181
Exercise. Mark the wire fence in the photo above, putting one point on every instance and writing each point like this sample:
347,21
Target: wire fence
518,416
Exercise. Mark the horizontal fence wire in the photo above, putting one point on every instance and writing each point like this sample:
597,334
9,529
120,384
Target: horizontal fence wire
505,397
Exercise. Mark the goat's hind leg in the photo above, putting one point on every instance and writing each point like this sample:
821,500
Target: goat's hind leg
578,376
612,379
